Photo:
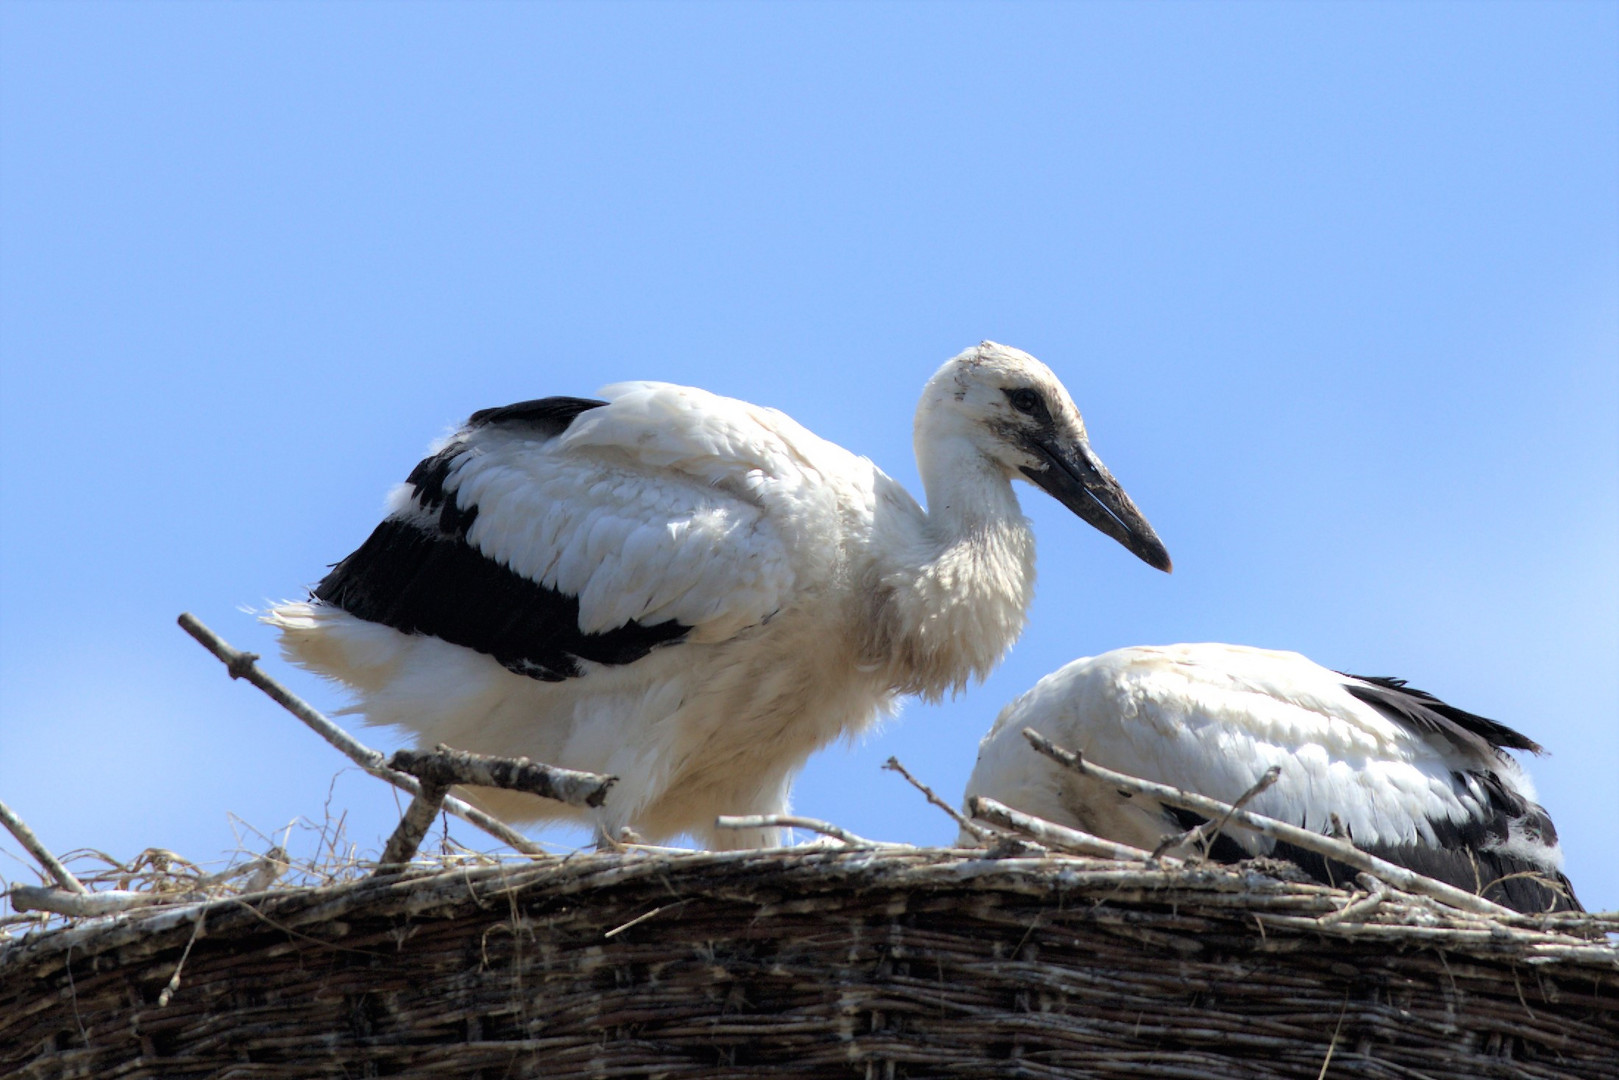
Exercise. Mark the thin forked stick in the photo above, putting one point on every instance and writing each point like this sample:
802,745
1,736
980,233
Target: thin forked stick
62,902
243,665
1342,851
1203,833
407,835
977,830
1057,836
437,771
790,821
1376,893
261,873
25,836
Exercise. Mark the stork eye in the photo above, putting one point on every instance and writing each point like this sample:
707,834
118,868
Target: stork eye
1025,400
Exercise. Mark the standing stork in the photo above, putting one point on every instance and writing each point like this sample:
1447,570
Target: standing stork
1412,779
694,593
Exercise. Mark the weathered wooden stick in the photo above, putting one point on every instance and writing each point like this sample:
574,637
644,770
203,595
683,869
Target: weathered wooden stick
439,769
445,766
789,821
1212,827
972,827
25,836
62,902
244,665
169,990
261,873
1376,893
1340,850
418,818
1057,836
263,870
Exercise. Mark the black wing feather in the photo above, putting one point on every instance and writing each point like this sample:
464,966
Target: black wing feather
419,583
423,577
1458,858
551,415
1492,874
1421,710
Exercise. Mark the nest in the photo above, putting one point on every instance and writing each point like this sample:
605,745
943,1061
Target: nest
813,961
1051,954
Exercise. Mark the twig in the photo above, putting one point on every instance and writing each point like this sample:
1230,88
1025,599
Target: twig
972,827
1560,888
1057,836
789,821
1376,893
25,836
243,665
438,770
418,818
264,870
1398,876
272,863
644,917
167,995
30,918
444,766
1203,833
1333,1045
62,902
268,868
1265,781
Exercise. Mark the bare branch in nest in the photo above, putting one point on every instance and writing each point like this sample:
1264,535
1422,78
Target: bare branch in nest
418,818
445,766
1376,893
639,919
789,821
1057,836
53,866
244,665
62,902
261,872
173,985
266,870
1340,850
1205,832
437,771
978,831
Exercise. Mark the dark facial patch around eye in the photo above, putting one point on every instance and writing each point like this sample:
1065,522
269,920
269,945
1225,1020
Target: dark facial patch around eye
1027,401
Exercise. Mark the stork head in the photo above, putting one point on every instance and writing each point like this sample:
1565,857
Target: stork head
1012,412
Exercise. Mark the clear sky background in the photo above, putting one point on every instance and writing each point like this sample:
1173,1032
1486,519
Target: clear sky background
1337,287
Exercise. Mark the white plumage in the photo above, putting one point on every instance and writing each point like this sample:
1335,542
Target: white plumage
694,593
1410,778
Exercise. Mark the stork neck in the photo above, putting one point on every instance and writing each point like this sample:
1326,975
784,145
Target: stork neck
967,494
956,601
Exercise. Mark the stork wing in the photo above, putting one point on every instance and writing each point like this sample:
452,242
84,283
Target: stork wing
562,530
1213,718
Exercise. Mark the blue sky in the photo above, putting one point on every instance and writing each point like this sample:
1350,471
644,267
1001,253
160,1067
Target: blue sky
1337,287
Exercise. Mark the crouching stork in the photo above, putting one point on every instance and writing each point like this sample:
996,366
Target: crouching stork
1411,779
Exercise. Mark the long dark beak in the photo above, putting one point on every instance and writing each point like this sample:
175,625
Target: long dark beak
1075,476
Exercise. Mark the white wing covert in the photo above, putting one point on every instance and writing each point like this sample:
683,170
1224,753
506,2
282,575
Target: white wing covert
1411,778
561,530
